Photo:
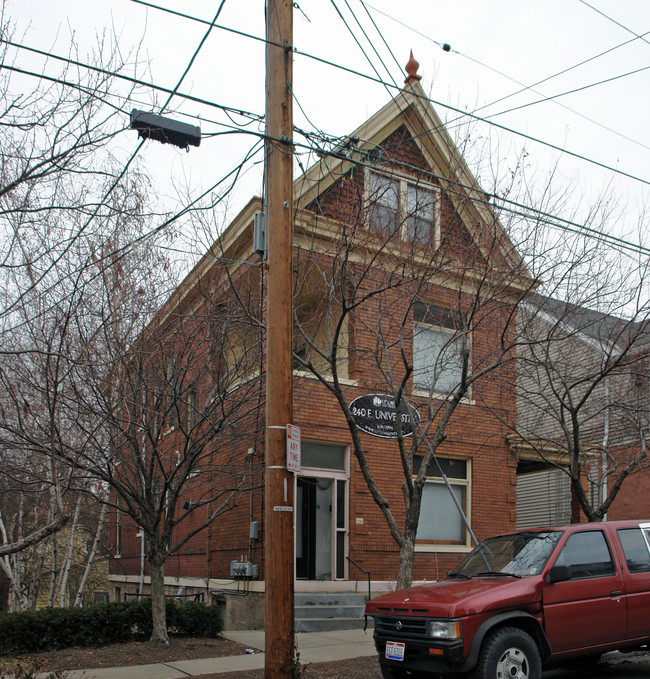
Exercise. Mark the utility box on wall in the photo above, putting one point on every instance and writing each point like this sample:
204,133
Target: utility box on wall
243,569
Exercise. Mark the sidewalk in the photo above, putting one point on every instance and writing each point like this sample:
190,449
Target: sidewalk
313,647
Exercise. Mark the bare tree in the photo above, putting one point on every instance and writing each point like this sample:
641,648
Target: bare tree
582,334
167,412
402,296
581,389
57,180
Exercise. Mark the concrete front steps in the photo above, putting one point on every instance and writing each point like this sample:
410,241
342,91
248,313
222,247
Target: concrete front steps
328,611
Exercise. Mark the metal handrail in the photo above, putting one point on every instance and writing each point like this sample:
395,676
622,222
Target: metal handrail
363,570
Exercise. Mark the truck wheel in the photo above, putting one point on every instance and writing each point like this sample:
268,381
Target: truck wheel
508,653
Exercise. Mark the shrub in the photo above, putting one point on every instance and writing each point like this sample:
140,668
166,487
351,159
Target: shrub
54,628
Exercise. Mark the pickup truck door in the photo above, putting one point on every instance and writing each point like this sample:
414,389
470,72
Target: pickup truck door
634,543
590,609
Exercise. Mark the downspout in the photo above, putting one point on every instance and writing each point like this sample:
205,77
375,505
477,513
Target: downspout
605,444
141,583
207,556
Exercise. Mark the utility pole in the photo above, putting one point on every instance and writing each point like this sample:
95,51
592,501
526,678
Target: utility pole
278,490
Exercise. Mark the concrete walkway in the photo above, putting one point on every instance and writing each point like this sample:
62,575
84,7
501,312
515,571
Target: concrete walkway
312,646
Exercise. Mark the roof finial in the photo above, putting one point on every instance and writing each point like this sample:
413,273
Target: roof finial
412,70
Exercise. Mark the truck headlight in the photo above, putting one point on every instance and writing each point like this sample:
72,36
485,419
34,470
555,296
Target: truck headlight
444,629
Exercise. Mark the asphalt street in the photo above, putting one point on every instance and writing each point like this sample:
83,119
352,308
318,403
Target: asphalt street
621,666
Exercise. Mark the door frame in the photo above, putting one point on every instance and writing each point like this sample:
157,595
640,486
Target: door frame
334,475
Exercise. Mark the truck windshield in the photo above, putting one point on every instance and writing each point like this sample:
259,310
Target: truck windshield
517,554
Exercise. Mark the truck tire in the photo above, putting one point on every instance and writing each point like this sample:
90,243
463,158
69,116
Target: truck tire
508,653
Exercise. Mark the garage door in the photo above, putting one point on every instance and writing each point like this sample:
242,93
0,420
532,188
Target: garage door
543,499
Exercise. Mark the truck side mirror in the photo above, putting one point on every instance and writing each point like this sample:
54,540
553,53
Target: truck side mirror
559,574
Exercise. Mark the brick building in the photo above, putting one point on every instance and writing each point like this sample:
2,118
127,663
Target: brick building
405,291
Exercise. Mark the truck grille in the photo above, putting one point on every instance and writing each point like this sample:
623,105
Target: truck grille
397,627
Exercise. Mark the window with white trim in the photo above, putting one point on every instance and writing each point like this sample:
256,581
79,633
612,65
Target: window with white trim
438,343
441,522
407,208
118,527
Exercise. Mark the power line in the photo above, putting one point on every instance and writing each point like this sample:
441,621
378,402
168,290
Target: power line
114,183
259,118
193,57
120,76
122,251
509,206
627,245
524,87
573,91
618,23
376,79
559,222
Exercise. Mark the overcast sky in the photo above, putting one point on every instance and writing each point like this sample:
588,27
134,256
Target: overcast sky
496,47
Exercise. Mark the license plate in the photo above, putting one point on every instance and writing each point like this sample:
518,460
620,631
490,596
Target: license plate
395,650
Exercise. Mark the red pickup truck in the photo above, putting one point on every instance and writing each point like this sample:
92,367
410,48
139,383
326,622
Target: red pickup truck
522,601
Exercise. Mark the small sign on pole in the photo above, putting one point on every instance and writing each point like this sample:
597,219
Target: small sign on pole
293,448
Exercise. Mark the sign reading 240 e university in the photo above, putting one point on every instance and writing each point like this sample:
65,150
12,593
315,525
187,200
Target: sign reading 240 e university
376,414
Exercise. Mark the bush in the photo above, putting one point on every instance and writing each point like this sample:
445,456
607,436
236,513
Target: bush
55,628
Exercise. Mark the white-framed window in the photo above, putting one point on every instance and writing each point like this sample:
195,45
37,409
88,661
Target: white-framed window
410,209
438,346
441,522
118,528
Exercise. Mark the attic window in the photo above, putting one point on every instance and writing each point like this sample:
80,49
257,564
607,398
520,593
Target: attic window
407,208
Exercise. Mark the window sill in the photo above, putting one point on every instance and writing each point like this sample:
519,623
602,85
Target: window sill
346,382
441,397
458,549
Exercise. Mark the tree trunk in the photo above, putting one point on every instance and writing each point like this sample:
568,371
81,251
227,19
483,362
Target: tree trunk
159,615
406,557
15,598
92,555
69,557
55,571
35,578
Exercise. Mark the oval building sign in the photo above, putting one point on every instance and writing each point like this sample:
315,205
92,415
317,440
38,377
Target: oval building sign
376,414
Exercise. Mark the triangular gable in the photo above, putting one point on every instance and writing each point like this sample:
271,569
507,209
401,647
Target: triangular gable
411,108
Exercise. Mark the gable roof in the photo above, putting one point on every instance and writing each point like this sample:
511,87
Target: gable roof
411,108
601,331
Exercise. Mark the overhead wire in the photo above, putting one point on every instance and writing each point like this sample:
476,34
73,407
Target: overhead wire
255,117
233,128
523,87
114,183
573,91
566,225
259,118
560,222
193,57
517,208
117,254
618,23
438,103
335,154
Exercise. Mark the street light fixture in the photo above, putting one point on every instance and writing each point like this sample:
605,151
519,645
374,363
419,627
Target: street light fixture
165,130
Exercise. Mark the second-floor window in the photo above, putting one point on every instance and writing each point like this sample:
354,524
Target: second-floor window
438,343
407,209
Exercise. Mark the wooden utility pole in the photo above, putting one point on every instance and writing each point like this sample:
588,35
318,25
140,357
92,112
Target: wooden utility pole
278,491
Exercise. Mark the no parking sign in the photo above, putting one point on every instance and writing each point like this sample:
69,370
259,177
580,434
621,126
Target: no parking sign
293,448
